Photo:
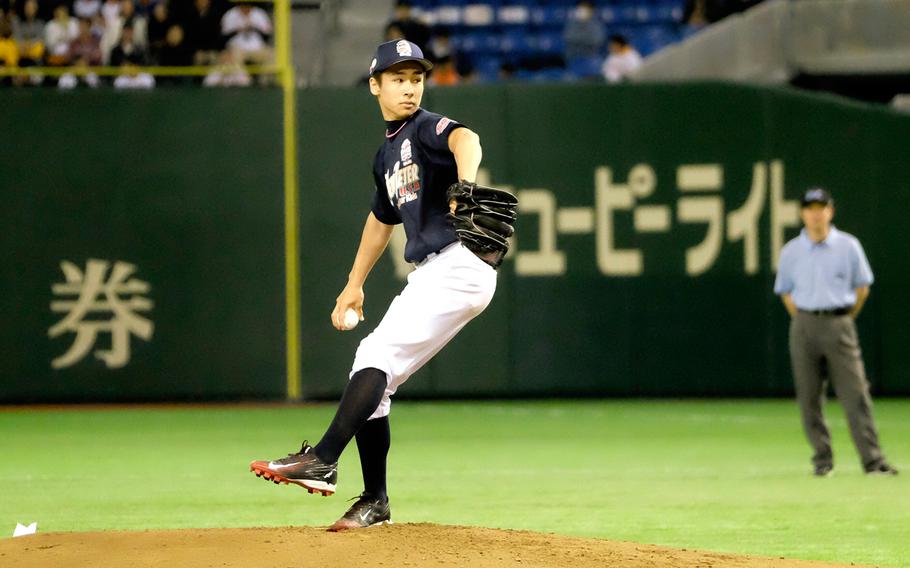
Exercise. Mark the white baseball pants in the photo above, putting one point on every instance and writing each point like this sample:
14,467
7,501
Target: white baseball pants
442,295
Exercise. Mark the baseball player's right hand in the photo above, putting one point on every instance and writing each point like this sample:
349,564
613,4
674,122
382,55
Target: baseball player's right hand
350,297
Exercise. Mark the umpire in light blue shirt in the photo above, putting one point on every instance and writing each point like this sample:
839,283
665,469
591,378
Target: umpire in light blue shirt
823,280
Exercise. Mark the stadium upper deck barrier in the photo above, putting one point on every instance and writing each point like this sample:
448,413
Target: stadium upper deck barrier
777,39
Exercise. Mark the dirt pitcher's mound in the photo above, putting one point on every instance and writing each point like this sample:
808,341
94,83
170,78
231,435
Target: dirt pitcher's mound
392,546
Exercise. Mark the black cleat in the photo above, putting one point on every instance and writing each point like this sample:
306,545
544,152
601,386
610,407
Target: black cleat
881,468
366,512
303,469
823,470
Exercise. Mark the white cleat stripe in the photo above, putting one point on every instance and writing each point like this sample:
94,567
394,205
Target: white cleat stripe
318,485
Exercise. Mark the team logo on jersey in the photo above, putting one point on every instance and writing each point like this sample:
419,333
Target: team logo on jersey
406,152
441,125
402,184
403,48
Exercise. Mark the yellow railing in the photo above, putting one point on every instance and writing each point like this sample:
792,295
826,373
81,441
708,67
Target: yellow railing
191,71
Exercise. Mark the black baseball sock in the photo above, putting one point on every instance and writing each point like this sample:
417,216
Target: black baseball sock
373,441
360,399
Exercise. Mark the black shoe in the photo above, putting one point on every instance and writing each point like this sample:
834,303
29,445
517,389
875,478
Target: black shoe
366,512
823,470
881,468
303,469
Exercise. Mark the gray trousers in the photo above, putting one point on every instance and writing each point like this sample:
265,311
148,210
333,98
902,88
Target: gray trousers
824,347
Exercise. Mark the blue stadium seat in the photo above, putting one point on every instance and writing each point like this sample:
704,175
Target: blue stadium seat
491,42
448,15
643,44
609,15
627,14
669,12
552,74
549,16
478,17
469,43
477,43
516,44
456,40
645,14
487,68
551,43
661,35
561,3
510,16
585,67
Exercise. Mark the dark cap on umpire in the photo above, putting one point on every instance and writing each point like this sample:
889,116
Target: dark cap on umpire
396,51
816,195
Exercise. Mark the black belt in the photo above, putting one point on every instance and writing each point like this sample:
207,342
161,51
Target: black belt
433,254
832,312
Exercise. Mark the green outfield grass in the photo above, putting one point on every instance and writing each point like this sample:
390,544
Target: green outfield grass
718,475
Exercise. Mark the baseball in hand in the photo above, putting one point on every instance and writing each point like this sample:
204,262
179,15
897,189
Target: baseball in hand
351,319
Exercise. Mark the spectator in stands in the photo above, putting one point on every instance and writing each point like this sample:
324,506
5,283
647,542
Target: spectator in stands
98,27
623,60
440,45
228,74
85,51
441,50
444,72
86,48
176,52
28,32
584,35
247,30
414,30
113,28
128,51
58,33
158,25
86,8
9,53
131,78
111,11
203,32
138,22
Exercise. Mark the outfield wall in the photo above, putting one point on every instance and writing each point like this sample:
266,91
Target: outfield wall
179,193
651,220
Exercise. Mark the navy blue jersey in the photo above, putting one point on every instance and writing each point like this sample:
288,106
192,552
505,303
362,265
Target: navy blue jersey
412,170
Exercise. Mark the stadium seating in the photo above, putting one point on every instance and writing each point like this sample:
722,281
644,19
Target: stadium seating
528,33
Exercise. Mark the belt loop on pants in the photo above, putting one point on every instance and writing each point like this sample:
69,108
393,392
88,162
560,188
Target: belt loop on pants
433,255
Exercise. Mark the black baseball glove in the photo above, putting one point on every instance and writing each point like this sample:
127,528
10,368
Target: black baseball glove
483,219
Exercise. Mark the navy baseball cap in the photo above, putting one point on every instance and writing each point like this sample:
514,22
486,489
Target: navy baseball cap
816,195
396,51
